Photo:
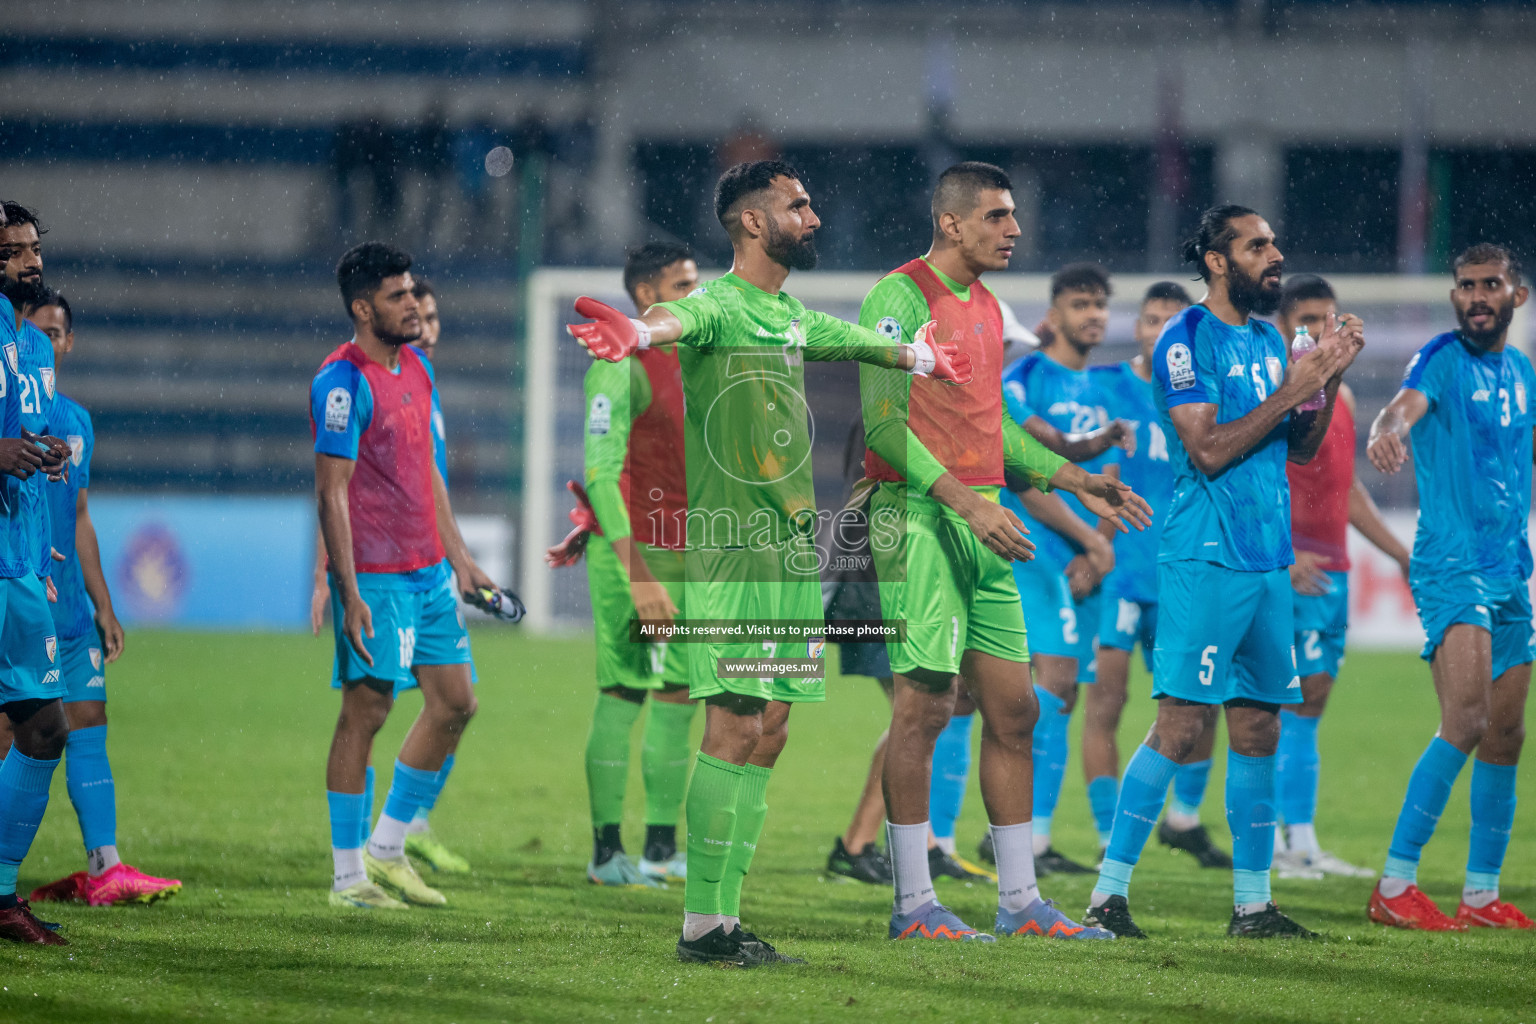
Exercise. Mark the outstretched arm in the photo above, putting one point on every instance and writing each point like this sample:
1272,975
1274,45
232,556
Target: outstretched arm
1084,446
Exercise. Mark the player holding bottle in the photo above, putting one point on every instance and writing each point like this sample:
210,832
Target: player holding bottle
1129,613
88,642
637,487
1326,499
752,512
1225,401
1466,401
389,529
940,457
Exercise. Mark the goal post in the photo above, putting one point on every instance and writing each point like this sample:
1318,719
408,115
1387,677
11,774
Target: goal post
1401,313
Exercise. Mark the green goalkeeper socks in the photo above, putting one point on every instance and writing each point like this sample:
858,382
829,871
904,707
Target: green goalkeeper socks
664,760
751,812
712,798
608,757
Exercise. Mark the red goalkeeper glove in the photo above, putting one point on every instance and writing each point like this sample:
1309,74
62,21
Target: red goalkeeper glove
610,335
942,360
570,550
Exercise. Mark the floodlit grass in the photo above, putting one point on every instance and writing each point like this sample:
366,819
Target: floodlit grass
219,743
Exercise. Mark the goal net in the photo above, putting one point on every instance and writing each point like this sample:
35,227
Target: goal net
1401,314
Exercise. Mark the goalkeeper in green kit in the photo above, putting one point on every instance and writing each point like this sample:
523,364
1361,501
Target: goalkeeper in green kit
940,456
750,555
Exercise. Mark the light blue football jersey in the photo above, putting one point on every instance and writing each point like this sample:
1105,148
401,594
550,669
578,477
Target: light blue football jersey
17,516
73,615
1241,517
34,368
1148,472
1472,461
1068,400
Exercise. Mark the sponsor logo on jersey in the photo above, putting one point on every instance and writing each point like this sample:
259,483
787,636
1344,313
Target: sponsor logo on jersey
51,677
600,417
11,358
1236,371
888,328
1481,395
338,410
1276,369
1181,372
97,682
46,372
76,448
51,645
95,654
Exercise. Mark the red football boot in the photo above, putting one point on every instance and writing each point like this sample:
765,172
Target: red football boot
18,925
1412,909
1495,915
69,889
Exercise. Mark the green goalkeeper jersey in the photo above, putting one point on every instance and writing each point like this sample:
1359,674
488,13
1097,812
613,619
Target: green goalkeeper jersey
748,432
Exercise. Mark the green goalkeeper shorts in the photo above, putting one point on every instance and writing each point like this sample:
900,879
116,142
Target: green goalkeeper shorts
954,593
621,661
716,591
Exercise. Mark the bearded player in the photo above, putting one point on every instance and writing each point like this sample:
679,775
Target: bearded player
1466,403
637,490
1228,408
90,638
390,534
751,555
940,457
1326,499
1129,613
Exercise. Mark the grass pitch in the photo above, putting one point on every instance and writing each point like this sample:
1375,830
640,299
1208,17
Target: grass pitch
218,743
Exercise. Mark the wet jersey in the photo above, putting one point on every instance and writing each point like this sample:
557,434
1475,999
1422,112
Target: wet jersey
1068,400
636,479
34,368
1148,473
73,614
1472,461
1240,517
1320,494
747,433
382,420
918,428
17,528
439,428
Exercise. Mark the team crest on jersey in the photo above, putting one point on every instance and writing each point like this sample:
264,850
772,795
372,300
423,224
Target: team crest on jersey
600,418
96,658
338,410
888,328
11,357
51,645
46,372
1181,374
795,334
814,648
1276,369
76,448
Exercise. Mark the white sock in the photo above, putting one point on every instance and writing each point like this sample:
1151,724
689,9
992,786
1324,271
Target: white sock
1249,908
947,844
1303,838
347,868
1391,887
1042,835
908,848
1014,847
1280,844
388,839
1181,822
101,859
1478,897
418,823
696,926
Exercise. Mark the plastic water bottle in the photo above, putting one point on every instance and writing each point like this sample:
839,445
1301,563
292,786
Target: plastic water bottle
1301,344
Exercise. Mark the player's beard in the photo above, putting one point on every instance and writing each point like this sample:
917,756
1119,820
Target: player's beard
396,335
23,291
786,251
1251,294
1502,317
